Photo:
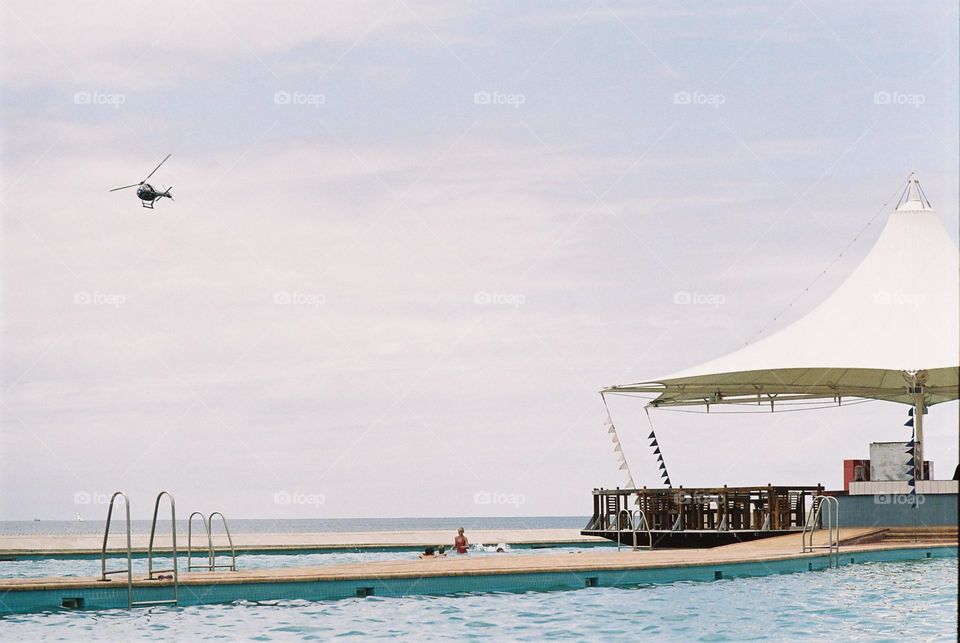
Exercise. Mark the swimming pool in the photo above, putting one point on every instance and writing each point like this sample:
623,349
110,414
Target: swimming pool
899,600
90,566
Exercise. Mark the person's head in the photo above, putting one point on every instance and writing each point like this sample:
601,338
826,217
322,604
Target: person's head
441,549
500,550
428,551
460,531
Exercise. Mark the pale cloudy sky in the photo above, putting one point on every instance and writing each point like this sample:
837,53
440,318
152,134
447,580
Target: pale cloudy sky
411,241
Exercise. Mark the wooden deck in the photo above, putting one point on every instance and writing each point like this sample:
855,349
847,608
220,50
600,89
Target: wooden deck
770,549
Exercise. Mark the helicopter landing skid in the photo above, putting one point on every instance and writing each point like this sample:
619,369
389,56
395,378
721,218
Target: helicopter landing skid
147,204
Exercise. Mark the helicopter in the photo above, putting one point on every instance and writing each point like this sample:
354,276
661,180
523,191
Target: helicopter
147,193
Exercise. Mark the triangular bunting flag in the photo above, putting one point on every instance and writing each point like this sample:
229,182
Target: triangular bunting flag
663,467
654,444
910,463
623,466
618,448
908,422
651,436
660,458
912,482
612,429
657,451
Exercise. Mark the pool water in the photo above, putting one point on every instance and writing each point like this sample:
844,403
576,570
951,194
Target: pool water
91,566
871,601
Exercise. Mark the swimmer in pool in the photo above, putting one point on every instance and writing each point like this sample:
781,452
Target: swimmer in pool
460,543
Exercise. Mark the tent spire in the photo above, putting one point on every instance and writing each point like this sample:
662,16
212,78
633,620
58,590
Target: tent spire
913,197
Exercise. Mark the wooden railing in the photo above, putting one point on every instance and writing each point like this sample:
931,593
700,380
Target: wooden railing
769,508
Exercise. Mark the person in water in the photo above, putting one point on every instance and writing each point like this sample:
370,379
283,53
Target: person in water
427,553
441,550
460,543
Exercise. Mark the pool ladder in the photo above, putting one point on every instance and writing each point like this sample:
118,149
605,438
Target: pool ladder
128,570
635,523
211,550
815,519
151,572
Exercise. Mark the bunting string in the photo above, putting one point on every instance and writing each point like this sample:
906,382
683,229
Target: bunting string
617,447
911,460
664,476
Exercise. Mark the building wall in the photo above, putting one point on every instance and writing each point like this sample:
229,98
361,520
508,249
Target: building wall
897,510
901,486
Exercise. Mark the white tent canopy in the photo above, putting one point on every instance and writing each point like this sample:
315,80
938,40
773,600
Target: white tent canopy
892,326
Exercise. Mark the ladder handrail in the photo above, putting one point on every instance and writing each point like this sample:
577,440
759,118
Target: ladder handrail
832,534
173,533
153,532
206,526
619,518
814,518
103,551
635,523
213,552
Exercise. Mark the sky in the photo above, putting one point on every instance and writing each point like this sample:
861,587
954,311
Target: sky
411,241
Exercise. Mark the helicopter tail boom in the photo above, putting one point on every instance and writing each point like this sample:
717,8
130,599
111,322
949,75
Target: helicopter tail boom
125,187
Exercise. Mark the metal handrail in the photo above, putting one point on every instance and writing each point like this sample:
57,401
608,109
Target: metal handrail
153,532
213,552
206,526
619,518
814,518
635,523
103,551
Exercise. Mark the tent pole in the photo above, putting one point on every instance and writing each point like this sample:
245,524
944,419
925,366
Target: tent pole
918,430
919,380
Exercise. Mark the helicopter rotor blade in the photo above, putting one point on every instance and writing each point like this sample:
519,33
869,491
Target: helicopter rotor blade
158,167
127,186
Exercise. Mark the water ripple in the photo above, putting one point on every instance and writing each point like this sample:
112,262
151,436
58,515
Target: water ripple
873,601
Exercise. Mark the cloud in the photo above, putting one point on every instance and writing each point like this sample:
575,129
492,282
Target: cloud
146,44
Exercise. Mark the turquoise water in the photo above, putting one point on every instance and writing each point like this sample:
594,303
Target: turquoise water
91,566
291,526
871,601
